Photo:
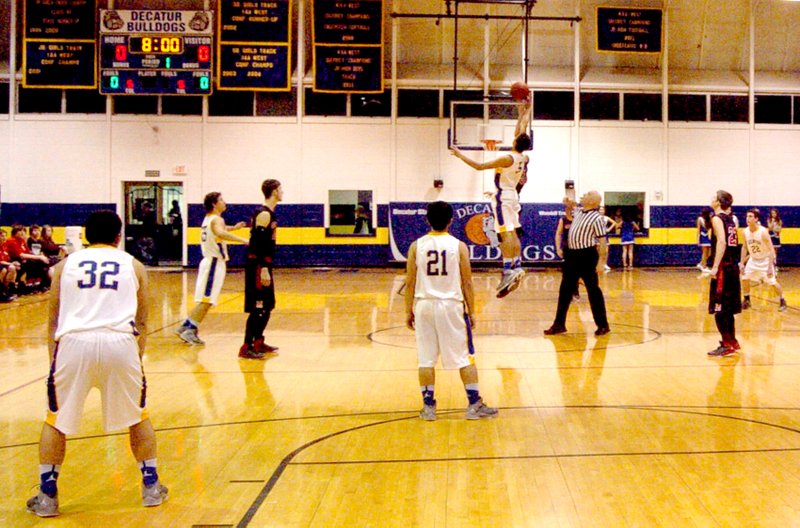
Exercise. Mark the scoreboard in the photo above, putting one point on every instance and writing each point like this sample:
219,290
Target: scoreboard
152,52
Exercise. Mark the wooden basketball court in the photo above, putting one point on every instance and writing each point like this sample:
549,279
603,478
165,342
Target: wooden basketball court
639,428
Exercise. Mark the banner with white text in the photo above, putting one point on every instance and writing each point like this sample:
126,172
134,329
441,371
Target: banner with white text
539,221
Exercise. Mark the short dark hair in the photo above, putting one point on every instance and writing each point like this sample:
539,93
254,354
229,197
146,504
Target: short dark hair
725,199
439,215
17,228
211,200
756,213
523,142
103,227
268,187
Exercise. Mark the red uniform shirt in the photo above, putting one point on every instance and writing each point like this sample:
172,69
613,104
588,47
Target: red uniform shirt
15,247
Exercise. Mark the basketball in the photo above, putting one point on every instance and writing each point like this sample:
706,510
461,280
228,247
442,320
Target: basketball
474,230
520,91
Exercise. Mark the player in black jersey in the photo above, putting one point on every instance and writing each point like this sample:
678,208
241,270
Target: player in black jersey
259,288
725,295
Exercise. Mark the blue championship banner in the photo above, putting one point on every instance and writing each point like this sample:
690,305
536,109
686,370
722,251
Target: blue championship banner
539,221
629,30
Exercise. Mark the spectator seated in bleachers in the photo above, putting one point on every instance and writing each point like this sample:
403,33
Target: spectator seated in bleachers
8,272
34,267
50,249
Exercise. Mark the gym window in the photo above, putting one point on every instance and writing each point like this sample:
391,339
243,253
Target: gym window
371,105
464,110
600,106
136,104
776,109
277,104
687,107
554,106
417,103
85,102
796,106
39,100
182,105
350,213
230,103
4,90
642,107
325,104
730,108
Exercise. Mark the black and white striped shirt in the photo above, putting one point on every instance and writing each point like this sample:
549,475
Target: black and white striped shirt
586,227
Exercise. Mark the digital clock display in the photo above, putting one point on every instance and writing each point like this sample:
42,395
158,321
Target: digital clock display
157,44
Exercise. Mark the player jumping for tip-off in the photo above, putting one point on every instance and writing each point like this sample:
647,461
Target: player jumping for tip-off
510,175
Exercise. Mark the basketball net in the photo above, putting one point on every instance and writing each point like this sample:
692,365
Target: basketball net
490,144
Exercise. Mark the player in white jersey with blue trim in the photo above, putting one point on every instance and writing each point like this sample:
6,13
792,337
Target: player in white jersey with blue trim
211,272
511,174
97,331
439,303
758,259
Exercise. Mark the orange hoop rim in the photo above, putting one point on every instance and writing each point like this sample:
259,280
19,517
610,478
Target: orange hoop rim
490,144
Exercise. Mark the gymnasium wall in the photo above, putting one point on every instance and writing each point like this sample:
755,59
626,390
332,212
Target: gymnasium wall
669,241
60,166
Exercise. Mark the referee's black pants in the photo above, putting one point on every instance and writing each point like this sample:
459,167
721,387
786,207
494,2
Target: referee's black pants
580,264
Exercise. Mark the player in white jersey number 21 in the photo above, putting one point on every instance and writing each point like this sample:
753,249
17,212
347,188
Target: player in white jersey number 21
439,303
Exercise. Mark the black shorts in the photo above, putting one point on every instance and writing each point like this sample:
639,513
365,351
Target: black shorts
725,293
257,296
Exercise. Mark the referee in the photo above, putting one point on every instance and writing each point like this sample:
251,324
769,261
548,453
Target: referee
580,262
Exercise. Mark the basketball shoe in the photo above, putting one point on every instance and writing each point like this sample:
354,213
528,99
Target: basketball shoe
249,352
189,335
154,495
428,413
262,348
745,304
724,350
510,282
43,505
479,410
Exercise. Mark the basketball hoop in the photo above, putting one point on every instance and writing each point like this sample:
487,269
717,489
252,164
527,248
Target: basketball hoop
490,144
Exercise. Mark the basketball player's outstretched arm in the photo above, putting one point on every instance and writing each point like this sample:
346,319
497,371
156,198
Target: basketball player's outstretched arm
524,119
497,163
239,225
220,230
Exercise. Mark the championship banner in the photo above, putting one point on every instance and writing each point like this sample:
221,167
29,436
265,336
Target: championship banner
539,221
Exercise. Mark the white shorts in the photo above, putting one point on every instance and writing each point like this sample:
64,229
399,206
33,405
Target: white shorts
106,360
506,211
210,276
756,271
442,330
